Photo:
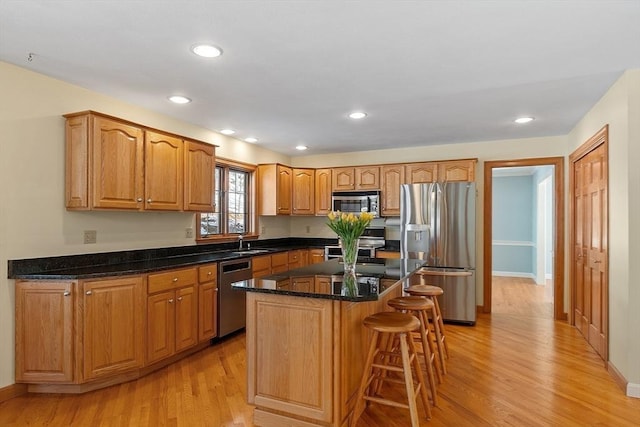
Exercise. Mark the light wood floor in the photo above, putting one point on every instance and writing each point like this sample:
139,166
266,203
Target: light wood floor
520,296
508,370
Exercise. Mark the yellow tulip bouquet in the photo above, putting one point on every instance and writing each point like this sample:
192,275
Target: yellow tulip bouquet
349,228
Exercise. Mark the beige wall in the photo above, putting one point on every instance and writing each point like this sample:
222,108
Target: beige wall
620,109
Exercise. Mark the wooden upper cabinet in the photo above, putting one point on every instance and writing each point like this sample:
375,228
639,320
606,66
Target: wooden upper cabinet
117,165
419,173
457,171
164,161
367,178
392,178
323,192
274,189
343,179
199,164
111,163
303,191
356,178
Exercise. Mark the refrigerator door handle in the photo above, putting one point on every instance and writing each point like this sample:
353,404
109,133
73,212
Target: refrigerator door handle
462,273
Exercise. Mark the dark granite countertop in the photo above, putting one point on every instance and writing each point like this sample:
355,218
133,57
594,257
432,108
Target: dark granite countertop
325,280
87,266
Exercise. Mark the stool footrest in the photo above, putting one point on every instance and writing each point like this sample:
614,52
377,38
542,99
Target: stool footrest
387,402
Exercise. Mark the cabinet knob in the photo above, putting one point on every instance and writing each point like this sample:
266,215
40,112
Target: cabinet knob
171,301
149,200
209,273
175,279
88,293
139,199
66,293
179,298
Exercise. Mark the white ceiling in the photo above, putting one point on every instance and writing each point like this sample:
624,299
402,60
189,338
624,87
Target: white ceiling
426,72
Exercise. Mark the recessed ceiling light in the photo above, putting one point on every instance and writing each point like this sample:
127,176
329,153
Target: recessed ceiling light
206,50
301,147
227,131
521,120
251,139
179,99
358,115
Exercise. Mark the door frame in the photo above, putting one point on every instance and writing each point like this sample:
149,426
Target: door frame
558,245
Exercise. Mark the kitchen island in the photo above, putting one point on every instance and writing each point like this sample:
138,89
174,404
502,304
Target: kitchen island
305,342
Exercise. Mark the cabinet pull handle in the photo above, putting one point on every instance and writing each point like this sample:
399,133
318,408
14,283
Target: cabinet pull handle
179,298
139,199
171,301
175,279
66,293
88,293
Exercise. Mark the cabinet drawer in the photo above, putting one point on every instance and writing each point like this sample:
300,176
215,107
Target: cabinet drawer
171,279
208,273
294,256
261,263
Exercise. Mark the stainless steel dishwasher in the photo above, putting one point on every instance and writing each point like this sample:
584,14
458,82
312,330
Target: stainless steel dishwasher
232,305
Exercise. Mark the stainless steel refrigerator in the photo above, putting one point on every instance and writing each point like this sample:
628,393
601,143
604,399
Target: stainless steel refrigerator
437,225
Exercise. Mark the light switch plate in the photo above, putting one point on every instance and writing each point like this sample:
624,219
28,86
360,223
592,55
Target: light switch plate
188,233
90,236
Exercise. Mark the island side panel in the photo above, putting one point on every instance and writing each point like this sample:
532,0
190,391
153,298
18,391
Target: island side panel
290,356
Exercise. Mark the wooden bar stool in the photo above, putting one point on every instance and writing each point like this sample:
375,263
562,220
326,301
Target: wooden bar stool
420,307
388,325
432,292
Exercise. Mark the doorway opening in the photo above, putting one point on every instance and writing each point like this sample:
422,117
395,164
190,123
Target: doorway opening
524,237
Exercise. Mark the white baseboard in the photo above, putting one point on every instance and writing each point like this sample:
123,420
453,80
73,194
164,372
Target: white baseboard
514,274
633,390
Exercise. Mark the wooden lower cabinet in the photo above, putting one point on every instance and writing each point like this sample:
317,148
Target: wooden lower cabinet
172,313
316,256
261,266
207,302
112,335
44,332
320,340
279,262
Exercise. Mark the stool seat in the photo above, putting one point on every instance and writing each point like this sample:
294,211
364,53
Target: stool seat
410,303
424,290
391,322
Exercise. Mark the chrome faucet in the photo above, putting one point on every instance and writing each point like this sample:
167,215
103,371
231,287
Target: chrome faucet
240,237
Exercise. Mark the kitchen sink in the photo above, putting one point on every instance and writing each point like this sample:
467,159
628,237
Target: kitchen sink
250,251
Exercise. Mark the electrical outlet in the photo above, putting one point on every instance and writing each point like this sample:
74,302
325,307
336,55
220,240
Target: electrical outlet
90,236
188,233
308,229
263,230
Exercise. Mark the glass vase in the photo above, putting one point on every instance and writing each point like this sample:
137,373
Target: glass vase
349,254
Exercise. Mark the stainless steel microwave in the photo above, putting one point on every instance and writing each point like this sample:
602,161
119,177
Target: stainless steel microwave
356,202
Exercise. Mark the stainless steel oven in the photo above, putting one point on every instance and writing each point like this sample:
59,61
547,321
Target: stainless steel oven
372,238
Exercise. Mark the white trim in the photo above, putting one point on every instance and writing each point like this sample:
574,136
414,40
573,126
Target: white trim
514,274
633,390
548,276
512,243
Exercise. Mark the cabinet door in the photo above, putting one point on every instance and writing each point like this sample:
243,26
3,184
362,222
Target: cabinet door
294,259
323,284
419,173
207,311
279,262
343,179
207,301
186,318
302,284
367,178
392,178
457,171
161,315
283,193
117,166
199,166
303,195
44,332
163,177
323,191
316,256
261,266
113,326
